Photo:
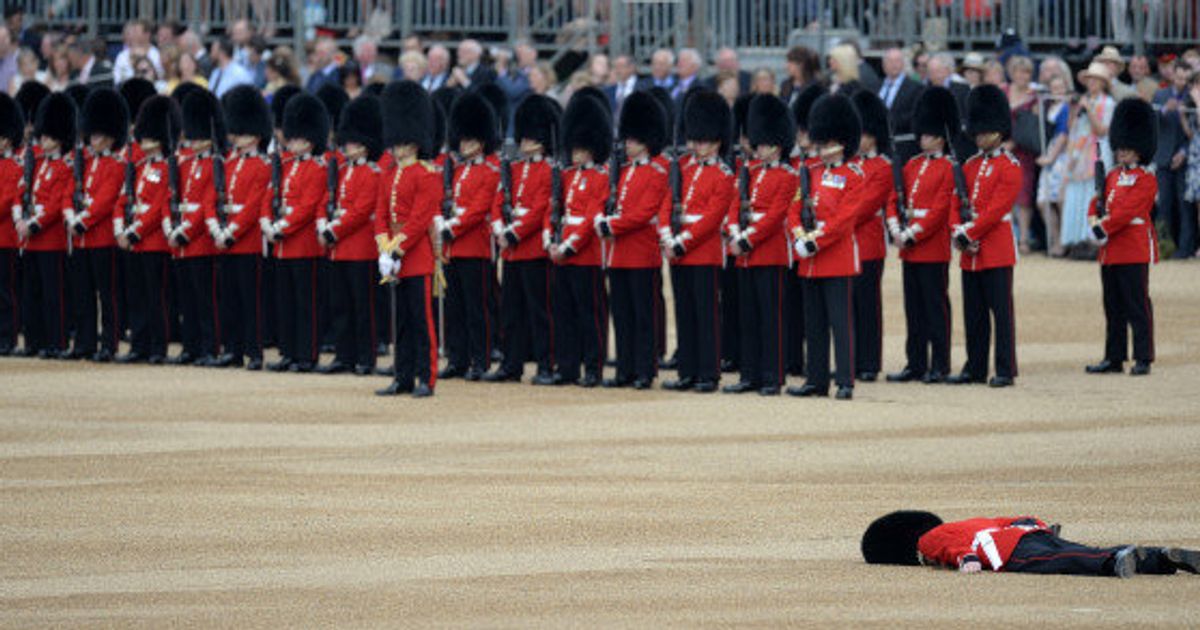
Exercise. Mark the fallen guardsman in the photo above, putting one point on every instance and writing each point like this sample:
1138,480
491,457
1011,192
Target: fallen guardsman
1021,544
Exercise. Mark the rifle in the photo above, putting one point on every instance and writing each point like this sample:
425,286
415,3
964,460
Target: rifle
448,187
173,181
506,194
966,212
77,194
130,187
614,179
898,183
556,192
30,166
218,166
276,195
1101,182
808,216
675,179
331,182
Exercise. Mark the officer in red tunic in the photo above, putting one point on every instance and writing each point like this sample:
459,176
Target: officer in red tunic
525,309
349,236
467,237
630,242
410,196
1013,544
12,133
239,240
873,151
139,231
42,232
793,288
580,303
697,248
759,240
294,235
826,246
1125,232
993,179
921,230
93,266
195,250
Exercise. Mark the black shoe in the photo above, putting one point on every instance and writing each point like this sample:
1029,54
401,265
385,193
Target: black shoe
1001,381
473,374
46,354
543,378
337,367
381,349
931,378
72,355
1183,559
254,365
21,352
384,371
705,387
451,371
327,348
669,364
502,376
1125,563
363,370
157,359
963,378
740,387
301,367
497,355
642,383
395,388
866,377
589,381
903,376
101,356
769,390
844,392
808,391
1105,367
422,390
1141,368
205,361
228,360
728,366
616,383
5,350
183,358
131,357
281,365
678,385
558,380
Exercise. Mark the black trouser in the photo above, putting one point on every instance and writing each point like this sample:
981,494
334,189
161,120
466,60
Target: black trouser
828,305
326,335
927,316
868,317
270,301
988,301
43,301
147,277
297,308
10,304
660,316
793,314
697,318
1127,305
761,317
352,307
199,305
580,320
525,314
93,275
383,318
730,348
242,305
632,298
416,333
1043,552
468,316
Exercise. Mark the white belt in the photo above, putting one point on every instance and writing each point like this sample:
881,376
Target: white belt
1137,221
235,208
519,212
919,213
287,211
459,211
755,217
574,220
189,208
140,208
689,219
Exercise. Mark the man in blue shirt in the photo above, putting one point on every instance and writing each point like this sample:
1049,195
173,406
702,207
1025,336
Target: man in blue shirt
227,74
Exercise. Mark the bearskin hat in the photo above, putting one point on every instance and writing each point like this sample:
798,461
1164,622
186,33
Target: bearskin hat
472,118
892,539
668,104
56,117
987,111
334,98
680,131
535,119
202,118
834,119
592,91
741,108
768,123
586,125
443,102
874,116
159,119
30,95
708,118
1135,127
12,120
408,117
78,93
375,88
247,113
499,102
305,118
279,103
184,90
135,91
362,123
937,114
105,113
804,103
644,120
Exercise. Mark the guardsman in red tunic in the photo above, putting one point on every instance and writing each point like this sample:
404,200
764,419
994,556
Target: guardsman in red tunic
349,236
304,195
731,352
826,246
195,250
921,229
335,99
878,189
630,242
793,288
1125,232
993,179
525,309
12,133
138,228
580,303
42,230
759,240
697,248
410,196
239,240
467,237
93,265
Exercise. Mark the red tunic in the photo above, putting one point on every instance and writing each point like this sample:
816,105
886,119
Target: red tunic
586,193
991,539
872,200
150,205
353,225
52,189
642,191
304,196
993,181
929,191
248,180
476,186
531,203
103,177
772,187
10,197
709,191
197,204
1129,201
410,196
835,191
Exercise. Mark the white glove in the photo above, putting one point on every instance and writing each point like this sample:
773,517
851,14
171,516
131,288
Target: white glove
322,223
546,240
396,266
802,248
498,228
439,223
385,265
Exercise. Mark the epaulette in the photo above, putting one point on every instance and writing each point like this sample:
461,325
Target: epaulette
430,166
787,168
495,167
855,168
658,167
1012,158
886,158
374,167
724,168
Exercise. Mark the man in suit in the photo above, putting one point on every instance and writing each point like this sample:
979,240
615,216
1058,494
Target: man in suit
87,60
900,94
325,66
661,63
625,73
687,71
726,61
438,73
470,69
1170,160
940,70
